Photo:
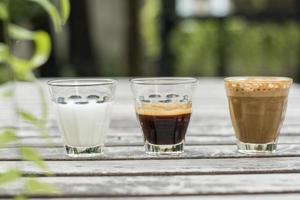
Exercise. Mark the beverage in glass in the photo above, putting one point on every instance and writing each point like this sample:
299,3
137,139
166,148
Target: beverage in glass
83,108
163,107
257,109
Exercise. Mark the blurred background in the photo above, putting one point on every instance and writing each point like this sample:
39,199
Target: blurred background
170,38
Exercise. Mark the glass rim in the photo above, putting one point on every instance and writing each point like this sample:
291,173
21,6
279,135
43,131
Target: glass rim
81,82
258,78
163,80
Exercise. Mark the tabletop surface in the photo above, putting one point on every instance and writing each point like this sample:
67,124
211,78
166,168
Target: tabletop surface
210,167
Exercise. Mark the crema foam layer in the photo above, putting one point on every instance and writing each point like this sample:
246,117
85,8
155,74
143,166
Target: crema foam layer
162,109
257,87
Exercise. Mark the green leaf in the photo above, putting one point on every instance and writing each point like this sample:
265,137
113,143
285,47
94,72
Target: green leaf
64,6
42,43
38,123
3,11
4,53
30,154
7,136
19,197
29,117
18,32
7,93
52,12
10,176
43,48
41,39
35,187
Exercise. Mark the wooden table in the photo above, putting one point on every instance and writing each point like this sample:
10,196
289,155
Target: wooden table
210,168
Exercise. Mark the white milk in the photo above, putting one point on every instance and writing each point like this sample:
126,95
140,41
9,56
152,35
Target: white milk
83,125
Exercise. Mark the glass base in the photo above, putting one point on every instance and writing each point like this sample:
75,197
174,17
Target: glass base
252,148
84,151
154,149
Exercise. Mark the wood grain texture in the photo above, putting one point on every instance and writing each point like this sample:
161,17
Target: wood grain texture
202,197
169,185
210,168
157,167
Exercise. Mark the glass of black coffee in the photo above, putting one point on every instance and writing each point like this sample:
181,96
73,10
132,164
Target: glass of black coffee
163,107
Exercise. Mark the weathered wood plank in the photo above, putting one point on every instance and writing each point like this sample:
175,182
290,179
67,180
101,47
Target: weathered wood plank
136,131
195,129
157,167
136,140
212,104
206,197
199,114
169,185
210,125
127,119
137,153
127,109
125,125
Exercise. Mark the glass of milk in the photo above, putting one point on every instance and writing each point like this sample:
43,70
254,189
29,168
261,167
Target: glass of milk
83,108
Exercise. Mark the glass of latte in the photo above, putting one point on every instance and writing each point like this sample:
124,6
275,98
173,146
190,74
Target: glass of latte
257,108
83,108
163,107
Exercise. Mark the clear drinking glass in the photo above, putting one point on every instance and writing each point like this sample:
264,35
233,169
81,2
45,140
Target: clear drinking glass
257,109
163,107
83,108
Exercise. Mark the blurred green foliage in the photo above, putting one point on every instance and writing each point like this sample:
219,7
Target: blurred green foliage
149,26
149,23
15,12
251,48
195,47
24,11
263,48
15,68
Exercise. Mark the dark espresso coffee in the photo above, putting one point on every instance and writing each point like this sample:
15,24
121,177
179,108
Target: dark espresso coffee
164,124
